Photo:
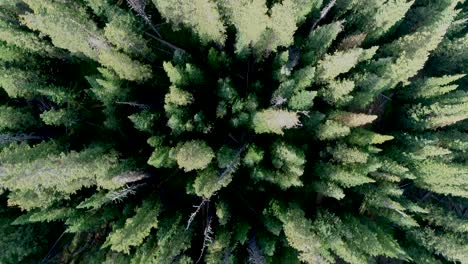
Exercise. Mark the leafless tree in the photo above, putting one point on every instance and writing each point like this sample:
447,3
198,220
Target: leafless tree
139,7
197,210
323,14
9,138
255,255
207,238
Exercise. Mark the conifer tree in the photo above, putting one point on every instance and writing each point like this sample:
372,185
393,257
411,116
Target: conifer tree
202,16
432,87
15,118
341,62
136,229
124,33
21,243
319,41
274,121
79,35
250,131
404,57
58,175
375,18
12,33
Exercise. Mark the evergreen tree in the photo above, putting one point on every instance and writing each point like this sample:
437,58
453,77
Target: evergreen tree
15,118
80,35
274,121
341,62
274,27
284,131
319,41
193,155
41,175
124,33
136,229
404,57
375,18
432,87
12,33
202,16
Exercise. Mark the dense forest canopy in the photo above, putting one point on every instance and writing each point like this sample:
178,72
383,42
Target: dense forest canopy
222,131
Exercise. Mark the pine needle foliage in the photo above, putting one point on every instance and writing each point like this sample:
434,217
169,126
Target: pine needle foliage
303,131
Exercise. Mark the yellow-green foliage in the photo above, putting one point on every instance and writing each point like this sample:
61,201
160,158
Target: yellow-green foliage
193,155
202,16
136,228
233,131
274,121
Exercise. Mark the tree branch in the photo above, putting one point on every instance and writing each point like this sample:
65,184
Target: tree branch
192,216
323,13
207,233
162,41
139,7
233,163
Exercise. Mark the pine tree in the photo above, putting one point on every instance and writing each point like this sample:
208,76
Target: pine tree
19,83
80,35
299,233
246,131
9,53
25,168
337,92
341,62
271,30
170,241
108,88
441,177
404,57
331,130
352,119
136,229
209,181
448,220
144,121
240,14
163,156
375,18
439,114
124,33
12,34
432,87
448,245
15,118
202,16
21,243
319,41
274,121
193,155
288,163
59,117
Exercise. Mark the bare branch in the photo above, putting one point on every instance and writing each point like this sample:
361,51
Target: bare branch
323,13
120,195
142,106
293,58
198,208
207,238
139,7
162,41
8,138
277,101
255,256
233,163
226,255
52,248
